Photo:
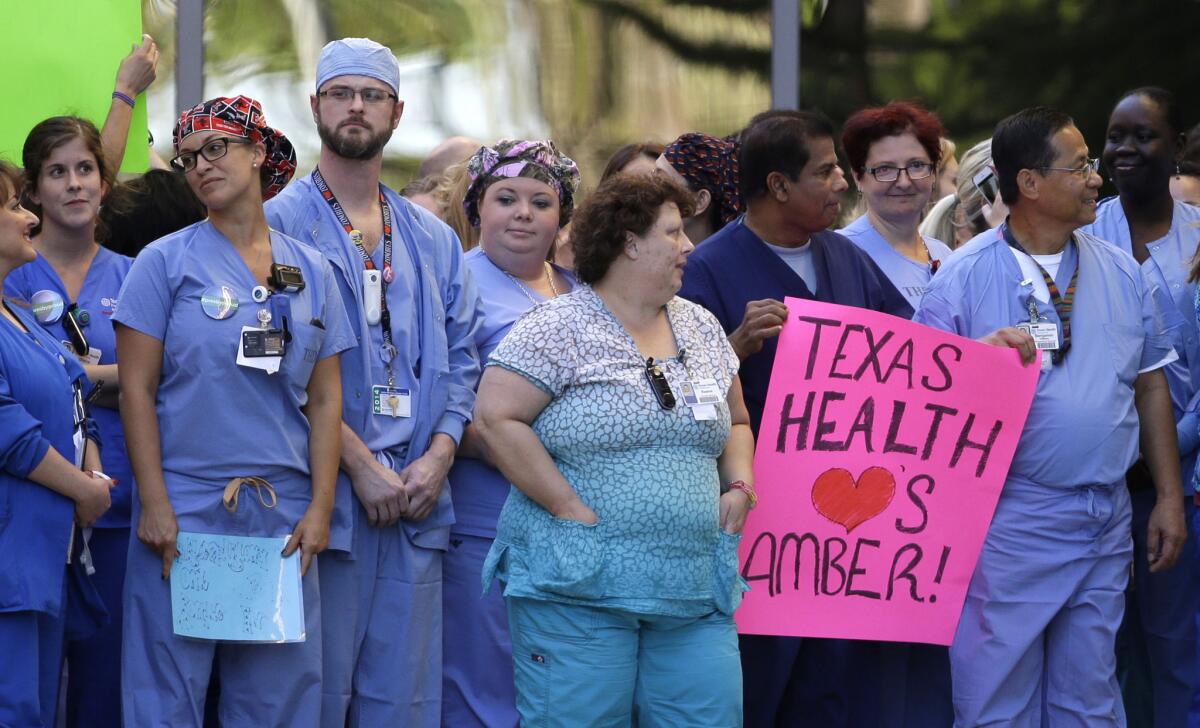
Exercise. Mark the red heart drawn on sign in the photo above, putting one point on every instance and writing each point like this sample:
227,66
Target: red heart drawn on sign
839,498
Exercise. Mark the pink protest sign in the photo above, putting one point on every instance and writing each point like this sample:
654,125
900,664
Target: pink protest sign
883,448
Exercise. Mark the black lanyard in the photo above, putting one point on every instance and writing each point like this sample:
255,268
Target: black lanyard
387,352
1063,304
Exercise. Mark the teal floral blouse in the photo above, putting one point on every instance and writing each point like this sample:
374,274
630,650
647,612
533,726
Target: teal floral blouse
649,473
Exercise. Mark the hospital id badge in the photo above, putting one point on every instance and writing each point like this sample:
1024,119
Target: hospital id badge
391,401
261,349
1045,336
702,397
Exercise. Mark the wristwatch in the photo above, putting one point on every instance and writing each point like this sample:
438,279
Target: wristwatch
745,488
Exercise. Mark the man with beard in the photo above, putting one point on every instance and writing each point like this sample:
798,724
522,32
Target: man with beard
408,392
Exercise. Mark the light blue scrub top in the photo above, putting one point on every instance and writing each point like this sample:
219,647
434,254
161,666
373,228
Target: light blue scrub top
219,420
478,489
907,275
1082,428
98,297
1167,268
443,310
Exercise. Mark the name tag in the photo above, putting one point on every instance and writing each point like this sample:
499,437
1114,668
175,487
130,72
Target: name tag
702,396
391,401
701,392
1045,335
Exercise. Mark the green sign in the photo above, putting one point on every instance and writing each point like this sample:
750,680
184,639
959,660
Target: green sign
61,57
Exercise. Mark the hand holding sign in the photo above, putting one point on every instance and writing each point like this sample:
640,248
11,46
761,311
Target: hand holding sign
881,454
763,320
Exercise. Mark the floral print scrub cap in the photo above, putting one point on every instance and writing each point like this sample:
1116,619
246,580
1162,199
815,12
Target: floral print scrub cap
540,160
709,163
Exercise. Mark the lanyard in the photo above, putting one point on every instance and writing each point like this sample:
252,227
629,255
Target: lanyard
1063,304
387,352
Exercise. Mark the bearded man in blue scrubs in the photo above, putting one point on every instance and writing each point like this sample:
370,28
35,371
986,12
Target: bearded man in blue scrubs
408,392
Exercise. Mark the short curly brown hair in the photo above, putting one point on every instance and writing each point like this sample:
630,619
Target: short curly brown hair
623,203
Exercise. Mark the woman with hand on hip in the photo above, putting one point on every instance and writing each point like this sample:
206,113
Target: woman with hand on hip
616,413
44,493
521,194
229,433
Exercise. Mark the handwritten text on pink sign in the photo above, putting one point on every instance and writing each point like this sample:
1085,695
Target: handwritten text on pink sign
882,452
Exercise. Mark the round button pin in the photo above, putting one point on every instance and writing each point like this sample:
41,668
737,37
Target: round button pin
259,294
48,306
219,302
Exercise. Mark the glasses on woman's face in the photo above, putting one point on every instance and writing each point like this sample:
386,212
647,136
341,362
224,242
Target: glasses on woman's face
891,173
345,95
659,385
212,150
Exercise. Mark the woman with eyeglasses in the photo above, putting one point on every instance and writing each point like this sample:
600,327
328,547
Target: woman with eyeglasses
1142,145
228,338
616,413
72,288
893,152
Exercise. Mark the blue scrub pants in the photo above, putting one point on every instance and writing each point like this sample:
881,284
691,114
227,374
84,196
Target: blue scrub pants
477,675
383,638
1165,605
794,682
165,678
1039,625
94,663
31,654
583,666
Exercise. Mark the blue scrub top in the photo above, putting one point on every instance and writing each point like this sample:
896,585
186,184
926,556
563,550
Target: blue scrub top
907,275
478,490
219,420
735,266
1167,268
1082,429
444,315
36,413
99,298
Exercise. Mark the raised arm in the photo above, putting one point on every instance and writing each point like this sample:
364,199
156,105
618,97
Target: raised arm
135,74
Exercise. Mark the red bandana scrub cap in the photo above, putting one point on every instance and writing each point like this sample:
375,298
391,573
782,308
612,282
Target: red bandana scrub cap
242,116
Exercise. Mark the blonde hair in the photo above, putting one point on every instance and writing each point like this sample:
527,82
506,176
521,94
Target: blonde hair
450,193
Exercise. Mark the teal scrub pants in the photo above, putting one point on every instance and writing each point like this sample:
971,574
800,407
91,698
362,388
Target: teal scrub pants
577,665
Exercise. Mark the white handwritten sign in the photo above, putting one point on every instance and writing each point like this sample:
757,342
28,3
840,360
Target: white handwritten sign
236,588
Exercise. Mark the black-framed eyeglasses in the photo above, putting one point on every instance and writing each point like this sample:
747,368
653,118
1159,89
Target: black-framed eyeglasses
659,385
891,173
1092,165
345,95
212,150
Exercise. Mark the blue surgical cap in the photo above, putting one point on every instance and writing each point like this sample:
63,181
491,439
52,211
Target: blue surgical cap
358,57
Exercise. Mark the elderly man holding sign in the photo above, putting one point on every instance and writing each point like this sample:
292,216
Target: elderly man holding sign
1035,642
